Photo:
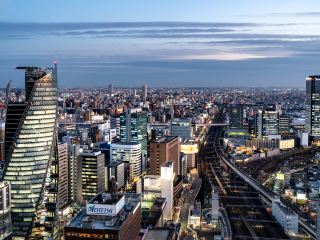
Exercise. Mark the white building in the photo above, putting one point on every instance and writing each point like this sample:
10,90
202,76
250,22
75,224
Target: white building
161,186
285,216
167,177
130,154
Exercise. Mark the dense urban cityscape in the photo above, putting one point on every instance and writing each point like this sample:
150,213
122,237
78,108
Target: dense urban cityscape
150,163
159,120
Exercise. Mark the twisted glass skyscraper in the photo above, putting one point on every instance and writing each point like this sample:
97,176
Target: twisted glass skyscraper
31,164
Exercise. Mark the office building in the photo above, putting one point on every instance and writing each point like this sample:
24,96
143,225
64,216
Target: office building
267,123
190,151
74,172
312,107
162,150
284,124
92,173
235,116
167,178
161,186
133,128
145,93
116,170
5,210
107,216
63,190
130,154
181,127
31,159
2,138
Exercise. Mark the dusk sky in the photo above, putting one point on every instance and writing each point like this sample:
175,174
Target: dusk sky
167,43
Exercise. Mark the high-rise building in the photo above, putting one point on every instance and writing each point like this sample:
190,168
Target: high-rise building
235,116
92,173
145,93
5,210
130,154
2,137
74,172
110,89
63,190
267,122
133,128
284,124
31,165
167,178
313,106
162,150
181,127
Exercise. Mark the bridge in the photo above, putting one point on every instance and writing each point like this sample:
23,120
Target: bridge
265,192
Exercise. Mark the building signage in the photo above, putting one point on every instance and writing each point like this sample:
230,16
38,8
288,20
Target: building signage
101,209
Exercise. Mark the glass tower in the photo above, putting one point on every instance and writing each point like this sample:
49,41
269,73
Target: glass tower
31,164
313,107
133,128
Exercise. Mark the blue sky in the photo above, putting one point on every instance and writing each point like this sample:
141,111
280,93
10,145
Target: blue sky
167,43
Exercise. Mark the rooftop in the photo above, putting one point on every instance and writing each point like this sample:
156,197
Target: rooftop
164,139
102,221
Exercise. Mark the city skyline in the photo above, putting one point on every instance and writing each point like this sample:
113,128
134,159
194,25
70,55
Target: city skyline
172,44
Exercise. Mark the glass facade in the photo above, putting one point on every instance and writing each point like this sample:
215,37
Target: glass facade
133,128
31,164
313,107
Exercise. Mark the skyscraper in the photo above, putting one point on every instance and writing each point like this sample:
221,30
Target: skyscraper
145,93
133,128
235,115
313,107
31,164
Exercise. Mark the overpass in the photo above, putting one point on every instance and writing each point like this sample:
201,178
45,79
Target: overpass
265,192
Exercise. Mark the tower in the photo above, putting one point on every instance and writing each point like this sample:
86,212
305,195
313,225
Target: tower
312,107
31,165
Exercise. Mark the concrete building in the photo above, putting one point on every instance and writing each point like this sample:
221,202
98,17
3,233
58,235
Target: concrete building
130,154
181,127
288,219
63,190
116,170
167,178
190,151
107,216
92,173
162,150
74,172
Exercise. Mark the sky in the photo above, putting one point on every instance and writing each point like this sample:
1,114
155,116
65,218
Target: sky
167,43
